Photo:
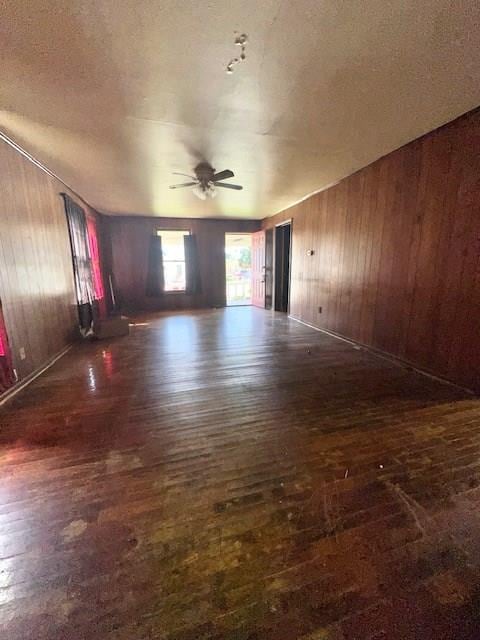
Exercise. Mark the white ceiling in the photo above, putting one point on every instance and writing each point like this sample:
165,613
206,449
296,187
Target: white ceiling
114,95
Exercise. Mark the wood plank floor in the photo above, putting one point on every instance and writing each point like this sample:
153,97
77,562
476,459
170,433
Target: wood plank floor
232,474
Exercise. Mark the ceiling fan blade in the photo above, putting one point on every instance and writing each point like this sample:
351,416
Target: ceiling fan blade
223,175
225,185
187,175
184,184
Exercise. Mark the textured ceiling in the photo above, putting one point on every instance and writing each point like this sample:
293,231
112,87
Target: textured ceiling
115,95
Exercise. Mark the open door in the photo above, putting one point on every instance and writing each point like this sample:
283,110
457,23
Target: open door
258,269
268,268
282,266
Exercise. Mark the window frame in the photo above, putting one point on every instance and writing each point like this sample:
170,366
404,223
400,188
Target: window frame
184,232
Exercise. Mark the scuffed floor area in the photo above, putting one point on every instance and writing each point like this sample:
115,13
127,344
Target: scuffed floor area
234,475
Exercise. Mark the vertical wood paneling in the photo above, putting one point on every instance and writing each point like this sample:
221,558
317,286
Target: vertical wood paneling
128,239
397,254
36,278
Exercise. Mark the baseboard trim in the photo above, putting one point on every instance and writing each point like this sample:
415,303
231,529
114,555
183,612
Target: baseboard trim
387,356
19,386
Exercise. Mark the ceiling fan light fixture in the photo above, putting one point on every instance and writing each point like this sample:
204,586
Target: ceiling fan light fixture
199,192
206,181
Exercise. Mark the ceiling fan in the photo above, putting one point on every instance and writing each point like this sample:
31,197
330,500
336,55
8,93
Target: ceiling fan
206,180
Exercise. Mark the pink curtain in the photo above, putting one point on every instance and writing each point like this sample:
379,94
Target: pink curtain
6,369
95,257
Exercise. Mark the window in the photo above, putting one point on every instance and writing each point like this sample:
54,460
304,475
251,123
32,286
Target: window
173,252
82,264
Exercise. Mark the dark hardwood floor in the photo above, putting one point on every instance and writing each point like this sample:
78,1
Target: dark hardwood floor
234,475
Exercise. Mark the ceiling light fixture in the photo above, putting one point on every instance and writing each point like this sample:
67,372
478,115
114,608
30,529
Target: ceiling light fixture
206,180
204,192
200,192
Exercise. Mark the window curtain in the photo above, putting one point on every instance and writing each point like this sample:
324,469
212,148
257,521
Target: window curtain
99,290
155,278
82,263
192,266
95,258
82,266
6,367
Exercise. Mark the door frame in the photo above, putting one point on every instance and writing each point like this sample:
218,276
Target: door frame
284,223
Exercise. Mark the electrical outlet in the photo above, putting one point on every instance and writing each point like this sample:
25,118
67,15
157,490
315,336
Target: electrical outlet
22,353
320,309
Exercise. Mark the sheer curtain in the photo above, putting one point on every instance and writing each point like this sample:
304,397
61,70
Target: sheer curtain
82,264
86,262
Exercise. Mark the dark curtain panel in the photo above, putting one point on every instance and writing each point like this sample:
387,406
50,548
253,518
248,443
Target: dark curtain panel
82,262
192,266
6,368
155,278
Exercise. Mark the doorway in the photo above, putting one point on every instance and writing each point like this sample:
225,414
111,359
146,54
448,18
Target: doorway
238,268
283,235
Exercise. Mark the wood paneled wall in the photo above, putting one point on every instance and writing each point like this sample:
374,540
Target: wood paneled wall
36,275
129,242
396,262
